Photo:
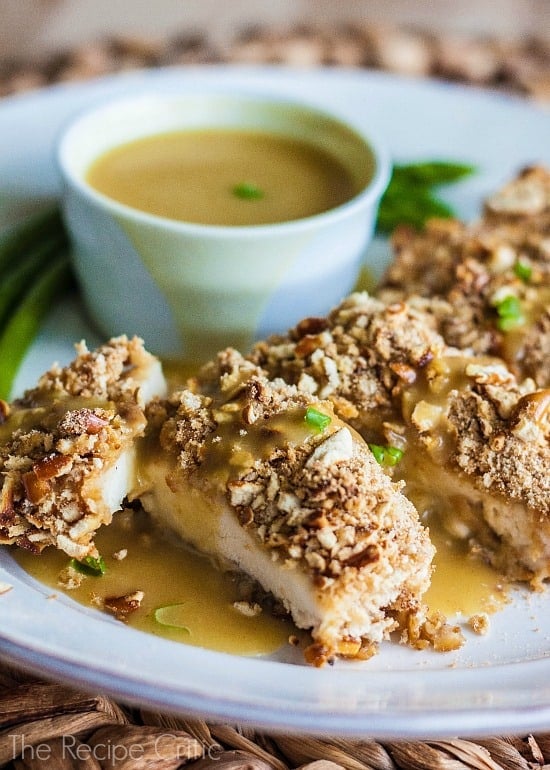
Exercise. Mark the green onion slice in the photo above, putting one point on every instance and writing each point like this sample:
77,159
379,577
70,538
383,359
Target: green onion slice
90,566
523,270
316,419
509,323
386,455
393,455
170,616
378,452
510,314
248,191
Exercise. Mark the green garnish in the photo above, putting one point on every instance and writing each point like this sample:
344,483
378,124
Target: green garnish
523,271
509,312
248,191
35,270
393,455
433,172
48,284
28,235
510,323
169,616
410,198
378,452
316,419
386,455
90,566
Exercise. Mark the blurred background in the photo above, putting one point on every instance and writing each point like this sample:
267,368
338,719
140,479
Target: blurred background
496,43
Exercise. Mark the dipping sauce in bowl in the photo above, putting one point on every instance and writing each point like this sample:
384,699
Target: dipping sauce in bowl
202,220
224,177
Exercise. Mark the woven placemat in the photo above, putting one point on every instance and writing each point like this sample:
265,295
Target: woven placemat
48,725
516,65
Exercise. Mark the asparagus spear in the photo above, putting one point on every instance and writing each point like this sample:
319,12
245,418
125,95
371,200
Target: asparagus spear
15,242
17,279
17,335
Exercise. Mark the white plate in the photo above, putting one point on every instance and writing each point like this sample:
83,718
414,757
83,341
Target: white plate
499,683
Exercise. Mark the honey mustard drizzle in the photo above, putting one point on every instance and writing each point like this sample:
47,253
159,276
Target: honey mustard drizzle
204,602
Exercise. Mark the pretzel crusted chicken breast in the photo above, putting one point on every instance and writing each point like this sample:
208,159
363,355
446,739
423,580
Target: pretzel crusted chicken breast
268,479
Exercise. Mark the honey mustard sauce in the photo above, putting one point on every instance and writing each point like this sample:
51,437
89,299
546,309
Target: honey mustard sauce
463,583
46,413
186,599
224,177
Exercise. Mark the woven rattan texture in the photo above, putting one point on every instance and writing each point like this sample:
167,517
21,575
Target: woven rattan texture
520,66
47,726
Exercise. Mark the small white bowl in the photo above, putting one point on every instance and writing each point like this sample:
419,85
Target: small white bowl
190,289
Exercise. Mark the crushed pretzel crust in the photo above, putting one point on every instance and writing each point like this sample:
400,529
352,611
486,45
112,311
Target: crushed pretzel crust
360,357
466,270
479,623
59,442
503,439
122,606
395,380
316,501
